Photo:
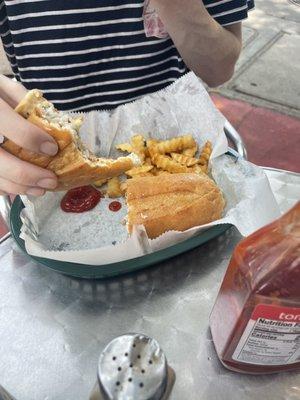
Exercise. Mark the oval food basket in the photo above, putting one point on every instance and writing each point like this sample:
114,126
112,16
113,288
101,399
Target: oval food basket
12,215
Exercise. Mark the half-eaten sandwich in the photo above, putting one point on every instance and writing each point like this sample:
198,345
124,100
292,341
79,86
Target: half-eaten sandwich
74,165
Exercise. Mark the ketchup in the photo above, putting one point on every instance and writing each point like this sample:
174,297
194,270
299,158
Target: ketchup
80,199
115,206
255,322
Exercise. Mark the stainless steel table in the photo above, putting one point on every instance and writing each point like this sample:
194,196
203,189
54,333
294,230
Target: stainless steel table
53,328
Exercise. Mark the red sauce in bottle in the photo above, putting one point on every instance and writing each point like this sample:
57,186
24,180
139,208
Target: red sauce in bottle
115,206
80,199
255,322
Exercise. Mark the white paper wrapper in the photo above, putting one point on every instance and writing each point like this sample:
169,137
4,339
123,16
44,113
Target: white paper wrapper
98,237
286,187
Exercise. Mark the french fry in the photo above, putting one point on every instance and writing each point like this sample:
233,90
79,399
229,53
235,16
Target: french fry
205,153
176,144
151,147
176,155
139,170
123,187
198,169
151,142
100,182
155,171
124,147
184,160
167,164
147,154
138,146
191,152
148,161
114,188
142,174
204,158
137,142
162,172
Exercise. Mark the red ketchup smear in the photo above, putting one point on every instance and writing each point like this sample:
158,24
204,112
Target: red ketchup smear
80,199
115,206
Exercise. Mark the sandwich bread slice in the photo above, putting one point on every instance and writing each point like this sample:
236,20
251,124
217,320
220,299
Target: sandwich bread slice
172,202
74,165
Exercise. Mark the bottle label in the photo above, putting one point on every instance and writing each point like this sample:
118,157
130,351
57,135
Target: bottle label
271,337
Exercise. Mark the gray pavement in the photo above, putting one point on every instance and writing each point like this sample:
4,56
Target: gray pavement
268,71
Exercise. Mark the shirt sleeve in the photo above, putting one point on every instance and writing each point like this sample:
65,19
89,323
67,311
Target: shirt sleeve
227,12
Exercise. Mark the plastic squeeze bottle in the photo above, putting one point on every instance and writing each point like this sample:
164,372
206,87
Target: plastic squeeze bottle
255,322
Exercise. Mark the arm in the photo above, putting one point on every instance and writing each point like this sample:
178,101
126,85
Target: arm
207,48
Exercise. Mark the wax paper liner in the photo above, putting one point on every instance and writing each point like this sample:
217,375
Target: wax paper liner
285,186
99,237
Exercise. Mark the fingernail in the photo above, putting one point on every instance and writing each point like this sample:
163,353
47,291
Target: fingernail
35,192
49,148
47,183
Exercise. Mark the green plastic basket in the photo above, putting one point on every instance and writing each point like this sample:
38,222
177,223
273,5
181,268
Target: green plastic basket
114,269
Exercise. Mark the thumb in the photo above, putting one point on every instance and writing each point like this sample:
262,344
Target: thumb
24,133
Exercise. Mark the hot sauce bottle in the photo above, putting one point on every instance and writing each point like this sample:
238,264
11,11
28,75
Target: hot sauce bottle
255,322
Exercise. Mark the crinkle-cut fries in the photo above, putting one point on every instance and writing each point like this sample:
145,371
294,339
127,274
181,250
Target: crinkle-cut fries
176,155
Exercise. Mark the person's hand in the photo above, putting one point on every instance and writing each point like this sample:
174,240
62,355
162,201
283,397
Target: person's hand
17,176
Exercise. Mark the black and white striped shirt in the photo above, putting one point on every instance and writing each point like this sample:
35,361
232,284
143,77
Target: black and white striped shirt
94,54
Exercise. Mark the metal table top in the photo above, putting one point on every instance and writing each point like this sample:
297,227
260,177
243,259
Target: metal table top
53,328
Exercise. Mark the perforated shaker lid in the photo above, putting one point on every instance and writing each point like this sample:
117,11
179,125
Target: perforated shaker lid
133,367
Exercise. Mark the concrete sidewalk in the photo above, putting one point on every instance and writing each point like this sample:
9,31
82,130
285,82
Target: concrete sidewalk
262,100
268,71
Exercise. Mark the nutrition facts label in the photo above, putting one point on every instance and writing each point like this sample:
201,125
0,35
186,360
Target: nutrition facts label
271,337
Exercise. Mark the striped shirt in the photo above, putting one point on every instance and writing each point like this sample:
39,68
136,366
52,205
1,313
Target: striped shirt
89,54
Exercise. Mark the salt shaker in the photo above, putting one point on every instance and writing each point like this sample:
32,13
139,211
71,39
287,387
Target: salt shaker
133,367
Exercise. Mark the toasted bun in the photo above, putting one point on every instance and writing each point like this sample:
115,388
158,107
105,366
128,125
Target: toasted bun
172,202
73,164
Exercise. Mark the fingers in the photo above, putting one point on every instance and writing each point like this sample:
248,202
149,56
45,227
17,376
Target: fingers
17,176
12,92
23,133
25,174
14,188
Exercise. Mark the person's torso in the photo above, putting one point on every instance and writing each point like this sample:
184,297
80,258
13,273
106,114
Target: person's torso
84,55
